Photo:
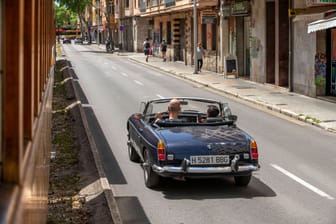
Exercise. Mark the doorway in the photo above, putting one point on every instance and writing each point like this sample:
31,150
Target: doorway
243,25
182,40
331,67
270,42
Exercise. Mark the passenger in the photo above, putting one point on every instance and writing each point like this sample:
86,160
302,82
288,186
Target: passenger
212,111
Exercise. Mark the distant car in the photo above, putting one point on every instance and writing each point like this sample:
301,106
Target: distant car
188,148
66,41
78,40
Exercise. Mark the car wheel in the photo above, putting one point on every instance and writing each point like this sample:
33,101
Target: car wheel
151,178
132,154
242,180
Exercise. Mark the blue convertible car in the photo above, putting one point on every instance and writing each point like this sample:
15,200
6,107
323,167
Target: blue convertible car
192,146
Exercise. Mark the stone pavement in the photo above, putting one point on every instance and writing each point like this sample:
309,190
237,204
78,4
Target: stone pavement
318,112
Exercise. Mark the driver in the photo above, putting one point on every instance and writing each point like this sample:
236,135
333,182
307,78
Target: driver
174,108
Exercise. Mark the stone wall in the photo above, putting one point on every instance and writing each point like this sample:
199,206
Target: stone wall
304,58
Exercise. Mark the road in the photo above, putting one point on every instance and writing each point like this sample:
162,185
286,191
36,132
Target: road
296,183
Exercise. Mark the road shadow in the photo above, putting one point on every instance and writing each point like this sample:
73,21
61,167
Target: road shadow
95,52
110,164
201,189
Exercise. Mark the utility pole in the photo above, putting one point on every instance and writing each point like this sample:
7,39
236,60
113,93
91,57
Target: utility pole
195,38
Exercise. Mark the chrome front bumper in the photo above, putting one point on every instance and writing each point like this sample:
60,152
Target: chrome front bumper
204,170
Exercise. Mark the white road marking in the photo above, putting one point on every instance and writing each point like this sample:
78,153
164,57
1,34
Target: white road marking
138,82
158,95
304,183
124,74
114,68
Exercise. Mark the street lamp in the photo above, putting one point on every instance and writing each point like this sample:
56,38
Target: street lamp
195,38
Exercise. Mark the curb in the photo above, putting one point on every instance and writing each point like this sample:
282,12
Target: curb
104,185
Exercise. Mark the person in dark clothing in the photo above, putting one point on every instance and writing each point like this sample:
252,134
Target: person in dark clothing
199,56
146,46
212,111
163,49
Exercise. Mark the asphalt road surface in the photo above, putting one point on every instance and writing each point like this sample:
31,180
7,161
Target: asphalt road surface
296,183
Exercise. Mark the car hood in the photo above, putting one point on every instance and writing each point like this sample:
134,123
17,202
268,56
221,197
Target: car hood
205,140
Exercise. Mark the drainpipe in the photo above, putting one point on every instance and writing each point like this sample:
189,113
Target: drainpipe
291,48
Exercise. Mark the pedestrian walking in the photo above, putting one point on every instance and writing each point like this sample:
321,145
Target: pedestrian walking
199,57
146,46
163,49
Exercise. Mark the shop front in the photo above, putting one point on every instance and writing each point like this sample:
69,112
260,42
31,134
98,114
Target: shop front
325,64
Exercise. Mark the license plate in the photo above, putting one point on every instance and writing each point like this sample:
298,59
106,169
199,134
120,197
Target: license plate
209,160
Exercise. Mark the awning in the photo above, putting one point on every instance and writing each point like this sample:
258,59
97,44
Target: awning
322,24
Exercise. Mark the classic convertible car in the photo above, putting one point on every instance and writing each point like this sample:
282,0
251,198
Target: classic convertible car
192,146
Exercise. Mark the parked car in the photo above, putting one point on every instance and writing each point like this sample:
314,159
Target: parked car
78,40
187,147
66,41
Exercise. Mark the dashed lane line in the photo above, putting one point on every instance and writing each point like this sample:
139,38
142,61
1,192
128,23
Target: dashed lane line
302,182
138,82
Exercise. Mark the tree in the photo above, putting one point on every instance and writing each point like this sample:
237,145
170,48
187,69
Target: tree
78,7
64,17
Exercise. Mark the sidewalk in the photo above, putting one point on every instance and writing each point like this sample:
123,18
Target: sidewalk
321,113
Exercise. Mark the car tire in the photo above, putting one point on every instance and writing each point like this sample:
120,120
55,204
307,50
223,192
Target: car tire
242,180
132,154
152,180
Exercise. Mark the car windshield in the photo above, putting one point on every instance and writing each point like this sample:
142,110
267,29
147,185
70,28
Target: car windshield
193,110
187,105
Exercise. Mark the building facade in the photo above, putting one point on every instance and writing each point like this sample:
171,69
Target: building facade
283,52
276,42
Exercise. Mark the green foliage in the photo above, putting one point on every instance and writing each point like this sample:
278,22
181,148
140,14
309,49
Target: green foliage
75,6
65,17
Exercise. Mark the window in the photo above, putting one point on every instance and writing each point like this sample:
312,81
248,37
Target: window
204,36
161,33
168,32
127,4
110,8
